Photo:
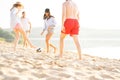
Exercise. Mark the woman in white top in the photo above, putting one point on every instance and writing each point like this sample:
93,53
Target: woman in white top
49,24
16,24
26,25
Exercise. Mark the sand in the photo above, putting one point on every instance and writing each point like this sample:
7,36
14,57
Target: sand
26,64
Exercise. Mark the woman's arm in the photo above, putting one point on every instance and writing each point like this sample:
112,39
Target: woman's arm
44,29
45,26
63,16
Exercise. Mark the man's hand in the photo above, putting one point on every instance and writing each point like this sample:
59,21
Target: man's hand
63,29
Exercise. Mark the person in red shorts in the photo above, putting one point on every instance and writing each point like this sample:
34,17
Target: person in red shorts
70,25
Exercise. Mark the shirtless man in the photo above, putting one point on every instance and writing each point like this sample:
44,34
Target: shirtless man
70,25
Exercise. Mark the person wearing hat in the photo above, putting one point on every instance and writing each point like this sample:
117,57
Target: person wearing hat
49,25
16,24
15,4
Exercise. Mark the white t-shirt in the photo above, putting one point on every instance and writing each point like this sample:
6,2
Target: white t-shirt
25,23
14,17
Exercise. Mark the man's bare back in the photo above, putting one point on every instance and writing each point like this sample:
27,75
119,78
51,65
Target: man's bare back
70,10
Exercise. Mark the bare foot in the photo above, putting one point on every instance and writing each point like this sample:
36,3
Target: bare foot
80,58
47,51
60,56
14,49
33,47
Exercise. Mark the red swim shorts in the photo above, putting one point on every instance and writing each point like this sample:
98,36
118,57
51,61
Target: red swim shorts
71,27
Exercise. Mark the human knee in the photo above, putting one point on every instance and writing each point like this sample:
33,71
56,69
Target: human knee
62,37
75,37
47,40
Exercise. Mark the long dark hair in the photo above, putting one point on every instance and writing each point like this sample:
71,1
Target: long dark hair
49,14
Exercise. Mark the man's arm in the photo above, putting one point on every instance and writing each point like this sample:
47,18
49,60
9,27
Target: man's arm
78,16
63,15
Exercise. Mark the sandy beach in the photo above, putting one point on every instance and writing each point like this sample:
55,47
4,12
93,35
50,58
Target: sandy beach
26,64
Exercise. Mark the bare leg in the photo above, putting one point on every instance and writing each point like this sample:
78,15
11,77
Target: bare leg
27,33
17,35
47,42
26,38
76,41
62,36
53,47
48,36
25,42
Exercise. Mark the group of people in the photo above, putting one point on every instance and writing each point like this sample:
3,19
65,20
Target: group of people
19,24
70,25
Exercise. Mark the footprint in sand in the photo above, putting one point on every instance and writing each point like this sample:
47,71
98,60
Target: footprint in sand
53,78
11,78
21,69
65,75
2,65
116,70
71,78
57,69
95,77
38,75
101,77
1,73
53,71
106,76
79,74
